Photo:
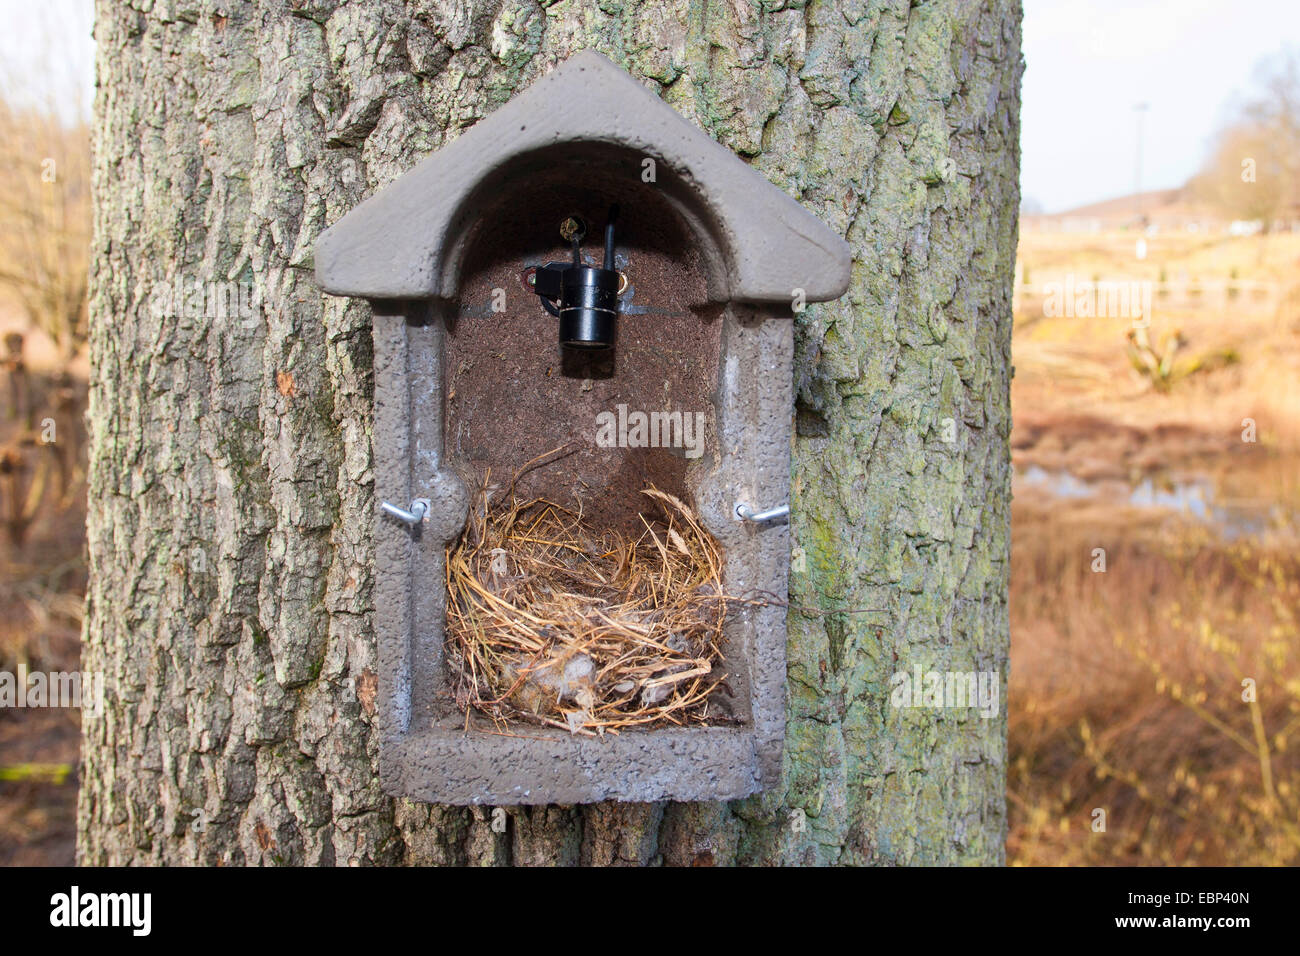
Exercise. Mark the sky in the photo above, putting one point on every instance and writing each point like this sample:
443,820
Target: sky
47,55
1089,63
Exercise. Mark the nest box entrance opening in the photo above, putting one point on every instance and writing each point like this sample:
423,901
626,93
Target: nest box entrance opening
636,415
599,604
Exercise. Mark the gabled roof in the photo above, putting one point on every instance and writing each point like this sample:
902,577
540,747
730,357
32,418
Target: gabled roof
392,246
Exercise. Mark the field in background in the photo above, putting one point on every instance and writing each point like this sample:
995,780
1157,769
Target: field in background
42,583
45,228
1130,688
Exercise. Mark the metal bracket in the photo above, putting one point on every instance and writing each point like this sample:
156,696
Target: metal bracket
419,508
746,513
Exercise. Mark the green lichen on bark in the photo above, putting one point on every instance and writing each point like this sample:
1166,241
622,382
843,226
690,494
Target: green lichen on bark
240,721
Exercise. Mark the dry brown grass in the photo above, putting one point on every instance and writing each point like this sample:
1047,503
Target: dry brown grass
1127,696
42,581
553,622
1126,691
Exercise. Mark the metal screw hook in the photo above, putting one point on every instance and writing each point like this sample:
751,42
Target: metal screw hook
746,513
419,508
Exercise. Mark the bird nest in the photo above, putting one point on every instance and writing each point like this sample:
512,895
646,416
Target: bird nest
553,622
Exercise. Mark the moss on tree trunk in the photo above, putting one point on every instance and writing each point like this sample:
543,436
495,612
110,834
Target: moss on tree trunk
231,496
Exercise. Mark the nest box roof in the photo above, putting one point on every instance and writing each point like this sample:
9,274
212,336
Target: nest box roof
395,245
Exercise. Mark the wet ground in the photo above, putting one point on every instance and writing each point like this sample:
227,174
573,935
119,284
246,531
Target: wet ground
1190,497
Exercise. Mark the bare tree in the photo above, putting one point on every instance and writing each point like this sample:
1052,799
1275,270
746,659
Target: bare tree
45,185
1253,172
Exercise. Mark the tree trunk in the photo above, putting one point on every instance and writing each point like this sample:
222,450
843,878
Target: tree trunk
231,504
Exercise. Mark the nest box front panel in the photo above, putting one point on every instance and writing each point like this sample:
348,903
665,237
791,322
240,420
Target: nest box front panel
532,285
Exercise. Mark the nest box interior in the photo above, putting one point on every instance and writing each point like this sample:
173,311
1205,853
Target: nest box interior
513,395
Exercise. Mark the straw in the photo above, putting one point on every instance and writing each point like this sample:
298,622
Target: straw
552,622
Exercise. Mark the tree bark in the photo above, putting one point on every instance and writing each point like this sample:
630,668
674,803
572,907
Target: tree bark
231,503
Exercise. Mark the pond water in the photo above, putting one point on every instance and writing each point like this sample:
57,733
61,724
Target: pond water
1194,498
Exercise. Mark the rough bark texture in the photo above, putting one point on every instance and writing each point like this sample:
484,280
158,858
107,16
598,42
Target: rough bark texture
231,501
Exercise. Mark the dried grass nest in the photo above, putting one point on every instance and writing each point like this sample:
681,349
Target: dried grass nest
552,622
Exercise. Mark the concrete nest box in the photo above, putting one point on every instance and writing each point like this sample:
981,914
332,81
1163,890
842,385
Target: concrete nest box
696,288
